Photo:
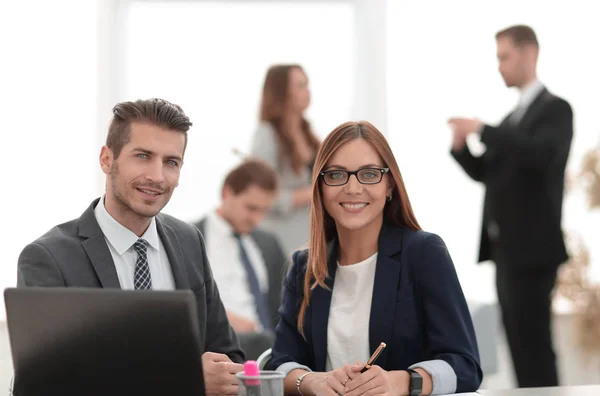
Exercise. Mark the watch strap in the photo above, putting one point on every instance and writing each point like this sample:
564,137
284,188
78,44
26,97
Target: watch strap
415,384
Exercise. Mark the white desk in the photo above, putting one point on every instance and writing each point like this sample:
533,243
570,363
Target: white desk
587,390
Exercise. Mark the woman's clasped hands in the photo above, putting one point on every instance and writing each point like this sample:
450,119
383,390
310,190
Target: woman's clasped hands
348,380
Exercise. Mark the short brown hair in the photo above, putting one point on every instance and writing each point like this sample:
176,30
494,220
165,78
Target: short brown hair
521,35
153,111
251,172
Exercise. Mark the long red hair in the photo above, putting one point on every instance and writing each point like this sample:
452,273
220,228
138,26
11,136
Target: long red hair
273,109
398,211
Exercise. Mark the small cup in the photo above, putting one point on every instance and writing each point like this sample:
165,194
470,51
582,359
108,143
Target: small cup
267,383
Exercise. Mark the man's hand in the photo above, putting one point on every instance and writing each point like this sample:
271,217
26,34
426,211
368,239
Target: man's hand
461,128
241,324
465,126
219,374
458,141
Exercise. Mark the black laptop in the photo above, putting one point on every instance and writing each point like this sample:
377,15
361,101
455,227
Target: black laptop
74,341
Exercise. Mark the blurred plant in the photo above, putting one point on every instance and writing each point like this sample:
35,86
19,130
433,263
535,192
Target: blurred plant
585,296
573,282
589,177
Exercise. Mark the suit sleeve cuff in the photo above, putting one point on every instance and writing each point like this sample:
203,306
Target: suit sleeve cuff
485,135
288,367
442,375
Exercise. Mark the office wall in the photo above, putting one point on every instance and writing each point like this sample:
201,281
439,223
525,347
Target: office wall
48,99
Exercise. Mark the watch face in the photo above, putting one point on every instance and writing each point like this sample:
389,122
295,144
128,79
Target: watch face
416,383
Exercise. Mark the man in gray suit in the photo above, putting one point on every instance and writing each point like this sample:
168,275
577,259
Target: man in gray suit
250,262
123,241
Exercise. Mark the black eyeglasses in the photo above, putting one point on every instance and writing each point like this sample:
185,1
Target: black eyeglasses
336,177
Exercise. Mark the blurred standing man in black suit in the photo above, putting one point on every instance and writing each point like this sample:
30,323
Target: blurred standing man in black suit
523,170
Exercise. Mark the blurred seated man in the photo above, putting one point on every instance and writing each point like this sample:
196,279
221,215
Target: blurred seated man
248,263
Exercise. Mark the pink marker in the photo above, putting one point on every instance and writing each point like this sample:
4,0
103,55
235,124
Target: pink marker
251,370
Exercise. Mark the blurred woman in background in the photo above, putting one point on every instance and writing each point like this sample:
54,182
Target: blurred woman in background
285,140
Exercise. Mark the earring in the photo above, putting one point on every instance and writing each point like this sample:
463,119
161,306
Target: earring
389,197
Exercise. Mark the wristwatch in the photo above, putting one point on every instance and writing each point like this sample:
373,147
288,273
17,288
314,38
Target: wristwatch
415,384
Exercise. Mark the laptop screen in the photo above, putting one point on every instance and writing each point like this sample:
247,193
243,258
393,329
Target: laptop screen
104,342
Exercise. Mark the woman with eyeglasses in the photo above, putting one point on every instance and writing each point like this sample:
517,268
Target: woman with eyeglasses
371,275
285,140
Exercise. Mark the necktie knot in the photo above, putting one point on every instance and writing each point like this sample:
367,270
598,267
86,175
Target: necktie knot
141,246
239,236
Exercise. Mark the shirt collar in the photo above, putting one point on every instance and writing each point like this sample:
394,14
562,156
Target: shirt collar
220,224
530,92
120,237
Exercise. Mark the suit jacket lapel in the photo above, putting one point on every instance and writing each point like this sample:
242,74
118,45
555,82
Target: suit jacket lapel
530,114
506,121
201,225
96,248
535,107
174,253
320,302
385,289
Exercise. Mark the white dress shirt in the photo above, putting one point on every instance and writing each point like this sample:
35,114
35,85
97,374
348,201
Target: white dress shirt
349,313
120,242
228,270
528,95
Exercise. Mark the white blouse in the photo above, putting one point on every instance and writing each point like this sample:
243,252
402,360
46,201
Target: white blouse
349,313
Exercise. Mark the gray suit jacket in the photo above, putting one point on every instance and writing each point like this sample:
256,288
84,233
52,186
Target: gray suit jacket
75,254
275,260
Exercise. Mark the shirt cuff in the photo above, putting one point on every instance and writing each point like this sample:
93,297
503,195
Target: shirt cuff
288,367
442,374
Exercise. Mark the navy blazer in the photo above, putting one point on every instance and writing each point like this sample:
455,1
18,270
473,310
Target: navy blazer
418,309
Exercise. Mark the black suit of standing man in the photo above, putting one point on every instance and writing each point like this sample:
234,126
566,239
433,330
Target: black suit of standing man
123,241
523,170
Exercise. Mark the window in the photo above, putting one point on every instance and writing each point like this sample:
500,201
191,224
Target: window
48,85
